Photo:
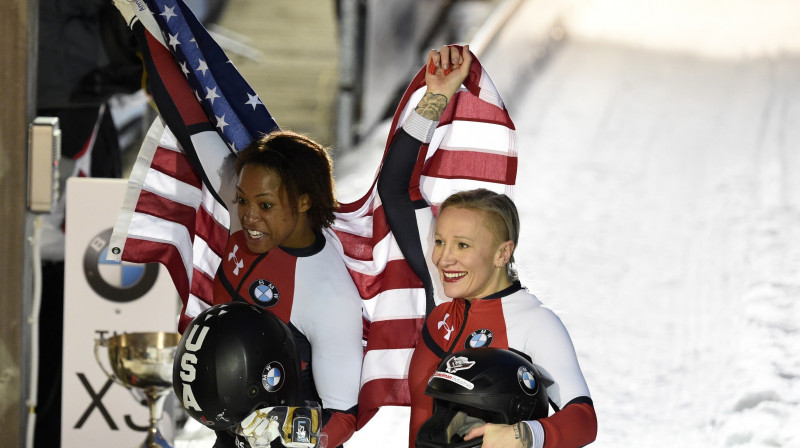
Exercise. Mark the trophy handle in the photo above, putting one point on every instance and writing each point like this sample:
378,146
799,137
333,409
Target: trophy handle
111,376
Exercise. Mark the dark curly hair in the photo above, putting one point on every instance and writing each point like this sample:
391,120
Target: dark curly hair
304,167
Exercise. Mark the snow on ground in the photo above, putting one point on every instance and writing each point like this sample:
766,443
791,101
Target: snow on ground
711,28
661,208
659,187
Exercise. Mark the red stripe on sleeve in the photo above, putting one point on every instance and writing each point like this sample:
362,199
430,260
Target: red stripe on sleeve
339,428
575,425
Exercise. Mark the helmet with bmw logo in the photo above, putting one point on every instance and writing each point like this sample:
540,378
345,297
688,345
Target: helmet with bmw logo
481,385
235,358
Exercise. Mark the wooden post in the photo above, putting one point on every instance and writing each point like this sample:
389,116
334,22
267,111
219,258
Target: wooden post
17,78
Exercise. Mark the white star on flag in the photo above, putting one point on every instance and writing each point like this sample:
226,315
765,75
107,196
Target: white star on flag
184,69
221,123
254,101
202,67
168,13
211,94
173,41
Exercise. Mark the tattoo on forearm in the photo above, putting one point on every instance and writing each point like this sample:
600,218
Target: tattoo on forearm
523,433
432,105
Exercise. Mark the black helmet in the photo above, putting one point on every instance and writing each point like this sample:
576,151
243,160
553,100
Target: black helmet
233,359
481,385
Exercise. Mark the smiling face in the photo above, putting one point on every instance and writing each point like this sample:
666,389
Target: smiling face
469,257
267,217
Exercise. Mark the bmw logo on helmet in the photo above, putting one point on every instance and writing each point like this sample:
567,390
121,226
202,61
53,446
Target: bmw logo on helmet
272,378
479,338
527,380
264,293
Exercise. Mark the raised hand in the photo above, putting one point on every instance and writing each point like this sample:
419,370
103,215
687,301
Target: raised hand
447,69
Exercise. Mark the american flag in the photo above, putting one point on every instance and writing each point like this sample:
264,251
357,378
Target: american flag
173,213
474,146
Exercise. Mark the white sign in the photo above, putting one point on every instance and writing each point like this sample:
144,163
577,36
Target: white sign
102,297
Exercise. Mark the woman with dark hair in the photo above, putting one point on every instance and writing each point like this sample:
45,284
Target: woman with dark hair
283,259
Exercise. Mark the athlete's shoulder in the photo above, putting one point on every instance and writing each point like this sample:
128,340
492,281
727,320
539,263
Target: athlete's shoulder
523,305
522,299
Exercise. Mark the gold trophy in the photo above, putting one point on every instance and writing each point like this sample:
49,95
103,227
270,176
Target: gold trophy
143,361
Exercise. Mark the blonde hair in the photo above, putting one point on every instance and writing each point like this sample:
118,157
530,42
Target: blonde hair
501,211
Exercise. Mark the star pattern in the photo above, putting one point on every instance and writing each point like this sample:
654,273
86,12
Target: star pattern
221,123
173,42
236,120
253,100
202,66
168,13
211,94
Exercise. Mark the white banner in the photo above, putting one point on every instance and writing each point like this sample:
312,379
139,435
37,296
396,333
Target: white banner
103,298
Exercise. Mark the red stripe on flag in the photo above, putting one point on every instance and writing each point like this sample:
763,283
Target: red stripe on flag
144,251
175,164
213,233
184,320
471,108
356,205
396,275
381,392
356,247
482,166
179,91
202,285
161,207
396,333
360,247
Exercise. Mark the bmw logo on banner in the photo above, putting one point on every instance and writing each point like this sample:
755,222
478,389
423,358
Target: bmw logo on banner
114,280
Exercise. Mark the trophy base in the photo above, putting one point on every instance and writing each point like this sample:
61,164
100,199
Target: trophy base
155,440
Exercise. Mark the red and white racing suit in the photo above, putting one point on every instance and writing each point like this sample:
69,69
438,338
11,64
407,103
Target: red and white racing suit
311,291
510,319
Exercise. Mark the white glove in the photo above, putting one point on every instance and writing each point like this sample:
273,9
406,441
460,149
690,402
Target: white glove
258,429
